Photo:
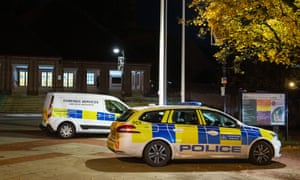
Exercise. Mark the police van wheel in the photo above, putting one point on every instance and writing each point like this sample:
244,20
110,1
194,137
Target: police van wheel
66,130
261,153
157,153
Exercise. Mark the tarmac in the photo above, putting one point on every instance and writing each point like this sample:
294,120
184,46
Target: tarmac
27,153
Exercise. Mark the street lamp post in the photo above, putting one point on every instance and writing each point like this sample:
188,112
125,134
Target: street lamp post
121,59
183,53
162,92
223,87
121,67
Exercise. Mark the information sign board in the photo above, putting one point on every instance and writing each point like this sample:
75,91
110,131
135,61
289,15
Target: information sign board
264,109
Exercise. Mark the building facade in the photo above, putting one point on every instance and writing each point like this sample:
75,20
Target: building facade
21,75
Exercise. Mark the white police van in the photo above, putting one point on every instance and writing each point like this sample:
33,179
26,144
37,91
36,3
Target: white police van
70,113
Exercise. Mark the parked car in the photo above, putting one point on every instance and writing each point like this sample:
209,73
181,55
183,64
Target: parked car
159,134
69,113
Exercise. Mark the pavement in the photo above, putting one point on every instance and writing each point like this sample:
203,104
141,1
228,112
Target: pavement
20,115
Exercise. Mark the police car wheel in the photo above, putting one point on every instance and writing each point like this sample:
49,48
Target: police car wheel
157,153
66,130
261,153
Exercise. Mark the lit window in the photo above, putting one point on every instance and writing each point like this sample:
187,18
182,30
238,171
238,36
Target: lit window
23,78
47,79
90,78
46,76
68,79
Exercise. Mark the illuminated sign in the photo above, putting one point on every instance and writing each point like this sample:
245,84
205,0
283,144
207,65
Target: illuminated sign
263,109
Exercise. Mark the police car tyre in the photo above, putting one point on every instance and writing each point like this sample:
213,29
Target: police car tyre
261,153
157,153
66,130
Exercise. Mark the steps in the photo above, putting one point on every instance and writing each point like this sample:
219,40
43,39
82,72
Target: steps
21,104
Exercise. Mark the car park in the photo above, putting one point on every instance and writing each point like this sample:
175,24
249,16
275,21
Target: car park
67,114
159,134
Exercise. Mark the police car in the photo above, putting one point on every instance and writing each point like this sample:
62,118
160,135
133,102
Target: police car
159,134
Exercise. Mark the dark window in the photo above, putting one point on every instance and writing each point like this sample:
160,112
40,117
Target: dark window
153,116
185,116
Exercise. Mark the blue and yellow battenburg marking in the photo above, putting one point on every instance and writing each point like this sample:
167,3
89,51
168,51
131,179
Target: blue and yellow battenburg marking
211,135
84,114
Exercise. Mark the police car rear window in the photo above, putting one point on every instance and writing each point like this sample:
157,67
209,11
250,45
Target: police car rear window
125,116
152,116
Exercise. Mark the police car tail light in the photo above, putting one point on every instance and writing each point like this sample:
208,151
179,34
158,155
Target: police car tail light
127,129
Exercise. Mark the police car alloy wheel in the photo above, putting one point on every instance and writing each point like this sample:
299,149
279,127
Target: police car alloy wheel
261,153
66,130
157,153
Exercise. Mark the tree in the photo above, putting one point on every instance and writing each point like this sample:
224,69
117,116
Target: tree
251,30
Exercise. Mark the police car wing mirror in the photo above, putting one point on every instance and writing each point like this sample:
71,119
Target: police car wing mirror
228,123
237,125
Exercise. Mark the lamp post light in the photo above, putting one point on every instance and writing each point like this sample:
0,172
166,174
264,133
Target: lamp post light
292,85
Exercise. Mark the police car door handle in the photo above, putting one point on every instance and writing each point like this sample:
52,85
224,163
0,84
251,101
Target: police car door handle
178,130
213,133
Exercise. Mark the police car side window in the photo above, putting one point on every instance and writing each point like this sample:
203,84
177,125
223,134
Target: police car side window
185,117
152,116
227,122
210,118
213,118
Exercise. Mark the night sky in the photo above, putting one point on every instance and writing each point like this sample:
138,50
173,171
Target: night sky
89,29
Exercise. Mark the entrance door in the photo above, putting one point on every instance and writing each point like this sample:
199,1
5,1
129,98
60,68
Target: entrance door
20,78
137,81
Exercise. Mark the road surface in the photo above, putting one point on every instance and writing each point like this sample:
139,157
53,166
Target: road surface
28,153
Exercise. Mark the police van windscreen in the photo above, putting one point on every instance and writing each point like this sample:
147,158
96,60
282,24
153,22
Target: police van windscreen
115,106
